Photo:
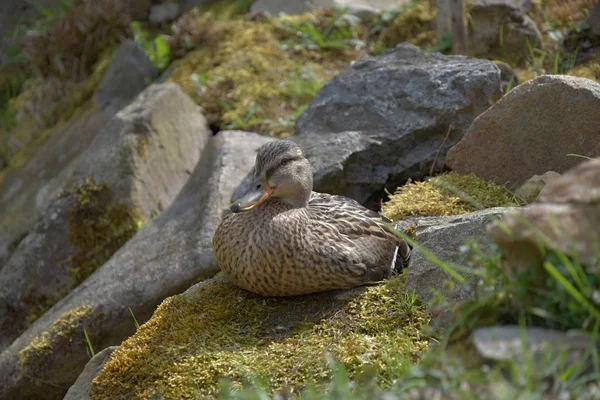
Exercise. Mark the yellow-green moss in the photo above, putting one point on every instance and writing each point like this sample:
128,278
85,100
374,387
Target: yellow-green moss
415,24
589,70
447,194
559,14
222,332
97,227
32,357
226,9
242,77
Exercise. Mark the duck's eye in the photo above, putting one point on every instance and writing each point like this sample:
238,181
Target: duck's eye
258,187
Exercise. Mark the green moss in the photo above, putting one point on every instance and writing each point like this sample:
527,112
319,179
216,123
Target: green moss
240,74
589,70
226,9
98,227
222,332
32,358
415,23
447,194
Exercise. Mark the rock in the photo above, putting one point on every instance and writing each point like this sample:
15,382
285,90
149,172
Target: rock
500,29
139,163
534,185
24,192
384,119
444,236
81,388
595,20
19,191
128,74
162,13
505,343
366,9
532,130
568,214
170,253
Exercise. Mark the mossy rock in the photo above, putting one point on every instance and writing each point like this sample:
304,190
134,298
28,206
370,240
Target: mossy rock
33,357
61,347
76,235
97,227
217,332
447,194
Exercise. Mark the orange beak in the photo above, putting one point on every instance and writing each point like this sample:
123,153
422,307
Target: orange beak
252,199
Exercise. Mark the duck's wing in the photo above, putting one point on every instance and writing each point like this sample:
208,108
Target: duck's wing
354,220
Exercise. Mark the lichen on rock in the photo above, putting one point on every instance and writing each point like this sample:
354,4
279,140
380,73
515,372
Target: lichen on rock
98,227
218,331
32,358
446,194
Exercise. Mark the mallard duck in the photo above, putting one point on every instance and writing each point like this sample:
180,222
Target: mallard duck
283,239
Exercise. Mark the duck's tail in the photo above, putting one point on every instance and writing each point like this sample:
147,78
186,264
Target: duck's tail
403,251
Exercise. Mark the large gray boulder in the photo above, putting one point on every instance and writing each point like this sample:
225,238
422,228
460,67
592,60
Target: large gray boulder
384,119
531,130
128,74
444,237
139,163
172,252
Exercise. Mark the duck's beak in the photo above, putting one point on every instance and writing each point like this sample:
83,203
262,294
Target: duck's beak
252,199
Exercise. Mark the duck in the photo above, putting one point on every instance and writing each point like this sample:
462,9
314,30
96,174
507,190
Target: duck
283,239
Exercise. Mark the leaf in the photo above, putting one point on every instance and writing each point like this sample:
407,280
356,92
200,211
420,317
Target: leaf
162,48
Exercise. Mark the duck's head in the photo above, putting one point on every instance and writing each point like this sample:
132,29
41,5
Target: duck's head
280,172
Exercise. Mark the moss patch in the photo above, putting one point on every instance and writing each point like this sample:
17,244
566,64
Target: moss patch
222,332
226,9
259,75
559,14
98,227
241,76
32,358
415,23
589,71
447,194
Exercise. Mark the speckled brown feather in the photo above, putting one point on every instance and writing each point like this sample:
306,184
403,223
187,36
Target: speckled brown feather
332,242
